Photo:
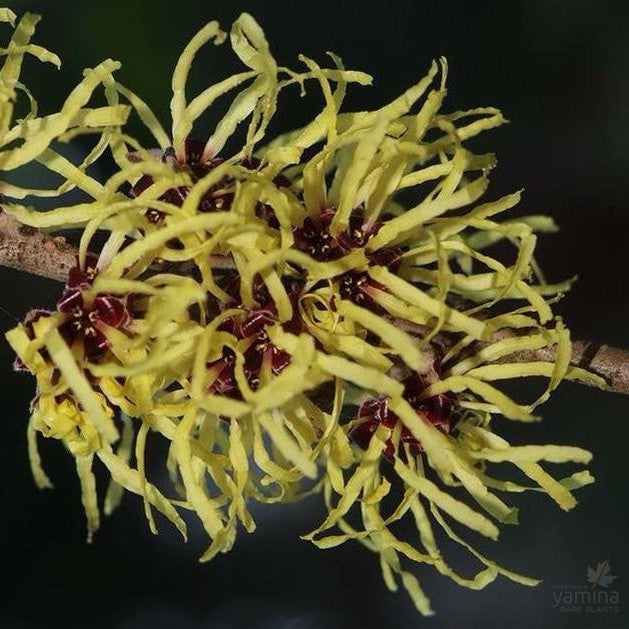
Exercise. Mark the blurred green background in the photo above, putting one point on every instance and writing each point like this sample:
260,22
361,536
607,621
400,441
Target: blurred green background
559,71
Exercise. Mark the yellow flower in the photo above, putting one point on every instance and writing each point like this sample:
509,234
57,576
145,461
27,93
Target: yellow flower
272,296
62,419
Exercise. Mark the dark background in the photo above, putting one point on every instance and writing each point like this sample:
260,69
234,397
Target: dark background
559,71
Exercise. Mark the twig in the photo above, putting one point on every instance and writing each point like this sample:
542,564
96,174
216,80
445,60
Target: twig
27,249
610,363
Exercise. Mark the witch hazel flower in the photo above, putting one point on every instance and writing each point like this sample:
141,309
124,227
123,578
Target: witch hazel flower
82,276
437,410
218,198
87,319
260,354
320,214
315,238
85,316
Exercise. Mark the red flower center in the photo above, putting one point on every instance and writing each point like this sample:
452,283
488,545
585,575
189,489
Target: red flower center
436,410
260,353
218,198
86,320
315,239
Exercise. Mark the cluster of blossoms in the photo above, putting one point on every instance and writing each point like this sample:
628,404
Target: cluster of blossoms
280,318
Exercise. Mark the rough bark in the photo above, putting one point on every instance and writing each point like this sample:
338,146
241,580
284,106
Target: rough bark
28,249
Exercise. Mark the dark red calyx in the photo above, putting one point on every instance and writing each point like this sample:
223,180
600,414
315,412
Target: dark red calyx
254,319
217,198
251,325
374,412
225,381
436,409
80,278
260,353
260,293
193,162
85,320
389,257
358,287
314,238
357,233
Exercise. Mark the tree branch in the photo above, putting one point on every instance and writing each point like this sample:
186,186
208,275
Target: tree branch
610,363
28,249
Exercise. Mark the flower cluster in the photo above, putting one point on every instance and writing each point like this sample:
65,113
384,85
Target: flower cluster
281,319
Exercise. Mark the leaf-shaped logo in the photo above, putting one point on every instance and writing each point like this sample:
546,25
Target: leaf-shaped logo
601,575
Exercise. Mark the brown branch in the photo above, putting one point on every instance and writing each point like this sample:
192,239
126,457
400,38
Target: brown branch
27,249
610,363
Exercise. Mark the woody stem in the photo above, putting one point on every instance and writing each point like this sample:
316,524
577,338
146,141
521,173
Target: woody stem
28,249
